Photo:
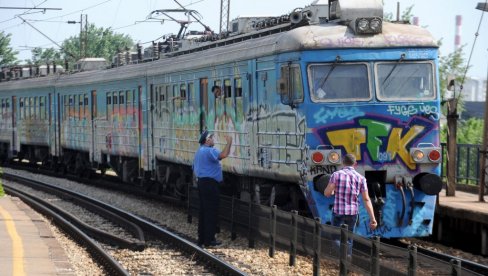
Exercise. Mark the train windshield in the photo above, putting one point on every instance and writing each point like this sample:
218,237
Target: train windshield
404,81
339,82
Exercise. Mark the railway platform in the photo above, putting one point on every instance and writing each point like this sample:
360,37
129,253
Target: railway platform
463,212
28,246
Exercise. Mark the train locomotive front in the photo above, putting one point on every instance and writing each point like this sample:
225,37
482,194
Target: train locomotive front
376,96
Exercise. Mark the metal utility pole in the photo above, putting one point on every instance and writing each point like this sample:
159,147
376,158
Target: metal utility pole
224,15
452,118
83,35
484,151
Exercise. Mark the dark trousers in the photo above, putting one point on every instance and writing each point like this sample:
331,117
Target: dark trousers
350,220
208,191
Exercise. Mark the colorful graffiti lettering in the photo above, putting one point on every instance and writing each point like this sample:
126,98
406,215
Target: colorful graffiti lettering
380,139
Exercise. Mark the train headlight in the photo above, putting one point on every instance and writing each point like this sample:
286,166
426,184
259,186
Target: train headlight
368,25
363,25
375,25
334,157
418,155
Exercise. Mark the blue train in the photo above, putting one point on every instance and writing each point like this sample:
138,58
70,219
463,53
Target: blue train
299,91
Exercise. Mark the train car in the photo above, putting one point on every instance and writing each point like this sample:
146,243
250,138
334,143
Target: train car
26,119
299,91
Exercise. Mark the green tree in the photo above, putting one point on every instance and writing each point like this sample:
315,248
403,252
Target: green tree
452,65
7,54
100,42
406,15
43,56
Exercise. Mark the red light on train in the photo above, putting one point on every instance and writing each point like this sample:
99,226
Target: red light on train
434,155
317,157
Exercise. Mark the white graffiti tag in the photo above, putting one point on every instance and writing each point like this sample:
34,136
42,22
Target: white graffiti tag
409,110
325,114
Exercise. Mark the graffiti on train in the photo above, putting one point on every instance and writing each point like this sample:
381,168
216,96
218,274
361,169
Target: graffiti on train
380,139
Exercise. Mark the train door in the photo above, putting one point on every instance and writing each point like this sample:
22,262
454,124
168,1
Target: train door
203,104
94,149
14,126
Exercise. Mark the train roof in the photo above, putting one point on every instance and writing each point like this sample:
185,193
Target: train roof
281,38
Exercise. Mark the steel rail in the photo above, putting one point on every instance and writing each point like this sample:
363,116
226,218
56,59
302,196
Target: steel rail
213,261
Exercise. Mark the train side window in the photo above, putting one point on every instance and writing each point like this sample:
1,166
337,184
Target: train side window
35,108
122,102
129,103
115,103
227,89
81,107
167,102
21,107
238,103
86,106
76,108
290,85
71,106
227,93
32,101
183,91
115,100
191,97
121,98
161,100
94,104
42,108
175,96
217,83
135,103
109,105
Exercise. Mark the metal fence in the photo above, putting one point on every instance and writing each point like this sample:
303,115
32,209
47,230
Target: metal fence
295,233
467,164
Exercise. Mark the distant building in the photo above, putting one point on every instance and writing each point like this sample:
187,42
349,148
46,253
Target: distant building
474,90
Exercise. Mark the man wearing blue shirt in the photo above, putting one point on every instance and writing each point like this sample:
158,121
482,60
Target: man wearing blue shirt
208,170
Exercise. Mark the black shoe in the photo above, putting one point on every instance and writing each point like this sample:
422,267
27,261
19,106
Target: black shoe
214,243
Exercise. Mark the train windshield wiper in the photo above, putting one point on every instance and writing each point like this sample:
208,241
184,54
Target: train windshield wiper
402,57
338,58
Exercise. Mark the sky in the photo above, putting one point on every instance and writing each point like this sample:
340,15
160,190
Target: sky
129,17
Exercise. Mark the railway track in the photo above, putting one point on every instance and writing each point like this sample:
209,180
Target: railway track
393,257
137,226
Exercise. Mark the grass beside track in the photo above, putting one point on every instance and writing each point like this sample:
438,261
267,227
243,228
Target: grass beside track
2,192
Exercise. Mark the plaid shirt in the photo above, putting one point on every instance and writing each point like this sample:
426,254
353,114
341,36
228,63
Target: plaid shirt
348,185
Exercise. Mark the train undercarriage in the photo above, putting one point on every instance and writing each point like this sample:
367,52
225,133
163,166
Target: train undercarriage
167,179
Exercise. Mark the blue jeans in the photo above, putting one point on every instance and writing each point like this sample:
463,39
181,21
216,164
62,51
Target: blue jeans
350,220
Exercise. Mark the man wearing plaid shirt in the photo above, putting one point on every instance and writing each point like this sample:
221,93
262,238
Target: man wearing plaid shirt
346,184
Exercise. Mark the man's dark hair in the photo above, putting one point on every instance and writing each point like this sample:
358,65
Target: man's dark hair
214,88
348,159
